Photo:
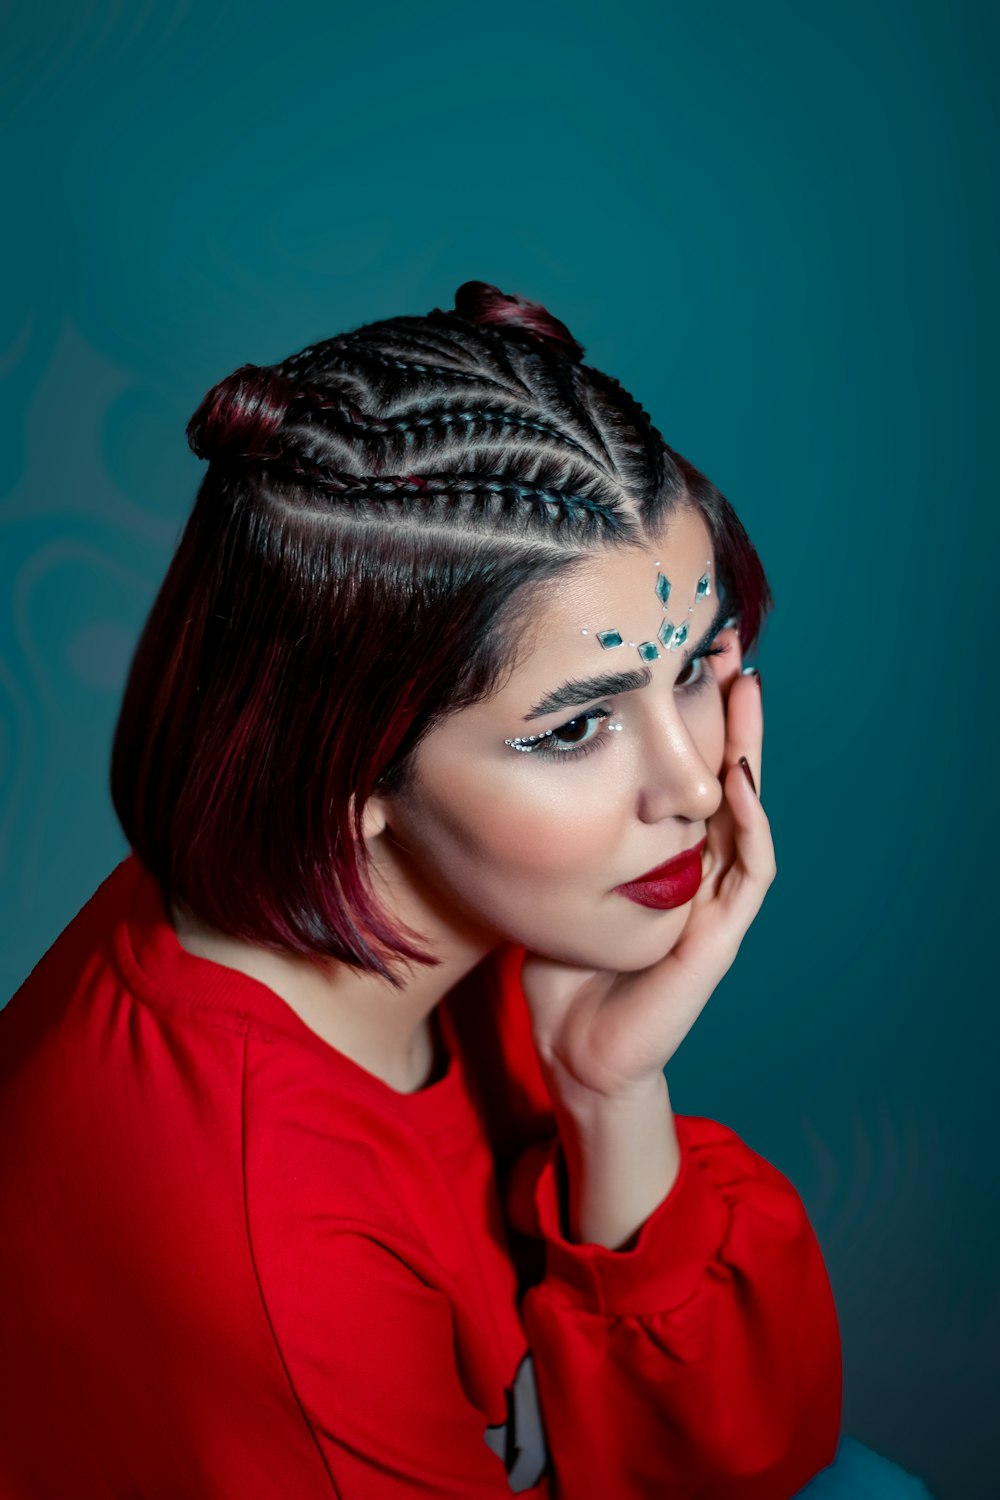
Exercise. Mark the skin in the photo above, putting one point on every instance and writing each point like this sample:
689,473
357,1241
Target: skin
489,845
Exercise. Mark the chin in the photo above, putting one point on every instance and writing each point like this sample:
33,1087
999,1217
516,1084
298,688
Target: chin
620,952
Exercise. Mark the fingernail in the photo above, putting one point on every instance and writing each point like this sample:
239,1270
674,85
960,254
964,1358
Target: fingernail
749,774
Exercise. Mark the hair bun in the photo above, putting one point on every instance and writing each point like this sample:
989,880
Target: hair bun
242,416
489,307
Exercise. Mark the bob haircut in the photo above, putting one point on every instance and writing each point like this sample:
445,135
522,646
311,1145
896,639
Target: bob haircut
377,514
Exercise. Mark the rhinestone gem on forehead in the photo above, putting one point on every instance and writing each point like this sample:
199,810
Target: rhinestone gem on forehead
670,636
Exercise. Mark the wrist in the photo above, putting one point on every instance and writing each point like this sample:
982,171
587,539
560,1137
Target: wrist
622,1158
586,1108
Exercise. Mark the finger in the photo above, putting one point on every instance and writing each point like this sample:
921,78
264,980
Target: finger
755,867
745,726
724,919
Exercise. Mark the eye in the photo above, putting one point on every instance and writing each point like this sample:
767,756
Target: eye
579,741
571,741
704,677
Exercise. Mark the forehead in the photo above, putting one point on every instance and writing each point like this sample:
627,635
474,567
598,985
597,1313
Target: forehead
612,589
615,589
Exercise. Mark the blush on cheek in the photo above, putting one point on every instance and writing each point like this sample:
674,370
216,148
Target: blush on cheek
545,828
513,837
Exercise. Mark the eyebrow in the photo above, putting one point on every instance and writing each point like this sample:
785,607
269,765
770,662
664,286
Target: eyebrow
581,690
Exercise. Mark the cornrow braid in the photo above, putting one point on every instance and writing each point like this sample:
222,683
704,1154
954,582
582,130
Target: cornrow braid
296,368
486,350
421,370
470,494
408,427
651,443
570,386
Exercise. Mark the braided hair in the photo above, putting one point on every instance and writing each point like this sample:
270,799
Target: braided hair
377,514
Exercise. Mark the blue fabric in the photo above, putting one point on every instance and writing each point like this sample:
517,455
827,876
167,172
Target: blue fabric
858,1473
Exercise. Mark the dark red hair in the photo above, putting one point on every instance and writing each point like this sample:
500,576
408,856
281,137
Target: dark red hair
376,514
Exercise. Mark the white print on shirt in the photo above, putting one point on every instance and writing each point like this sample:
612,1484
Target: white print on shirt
520,1441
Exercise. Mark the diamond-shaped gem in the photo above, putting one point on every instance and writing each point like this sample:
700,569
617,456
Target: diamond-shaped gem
664,633
609,638
648,651
662,589
703,586
680,637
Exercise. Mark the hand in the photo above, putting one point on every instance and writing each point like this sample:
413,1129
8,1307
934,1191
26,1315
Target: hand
608,1036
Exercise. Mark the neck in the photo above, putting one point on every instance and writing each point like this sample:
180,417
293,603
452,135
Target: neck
386,1031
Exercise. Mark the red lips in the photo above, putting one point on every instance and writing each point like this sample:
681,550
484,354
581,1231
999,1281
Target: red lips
672,866
670,884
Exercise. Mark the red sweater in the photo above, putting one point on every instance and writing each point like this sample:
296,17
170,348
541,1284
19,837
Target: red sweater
233,1263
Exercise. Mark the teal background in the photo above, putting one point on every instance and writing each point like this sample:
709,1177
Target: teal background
776,224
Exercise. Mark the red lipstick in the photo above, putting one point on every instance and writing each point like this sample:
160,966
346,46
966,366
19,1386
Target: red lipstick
671,884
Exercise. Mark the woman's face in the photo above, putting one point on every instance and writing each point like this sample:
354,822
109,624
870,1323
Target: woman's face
528,846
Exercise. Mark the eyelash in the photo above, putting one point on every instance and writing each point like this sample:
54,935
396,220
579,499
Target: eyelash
544,752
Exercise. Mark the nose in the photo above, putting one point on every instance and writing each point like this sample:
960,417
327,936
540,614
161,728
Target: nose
675,779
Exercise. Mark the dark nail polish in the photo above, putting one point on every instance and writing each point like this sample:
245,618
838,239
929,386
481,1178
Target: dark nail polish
754,672
749,774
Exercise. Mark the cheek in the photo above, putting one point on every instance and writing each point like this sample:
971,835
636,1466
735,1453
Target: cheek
531,822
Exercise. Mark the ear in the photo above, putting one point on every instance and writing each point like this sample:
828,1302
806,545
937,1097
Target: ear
730,664
374,818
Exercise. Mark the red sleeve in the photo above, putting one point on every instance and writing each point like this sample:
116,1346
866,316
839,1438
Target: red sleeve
705,1359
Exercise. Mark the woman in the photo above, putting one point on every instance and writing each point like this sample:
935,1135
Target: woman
345,1156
